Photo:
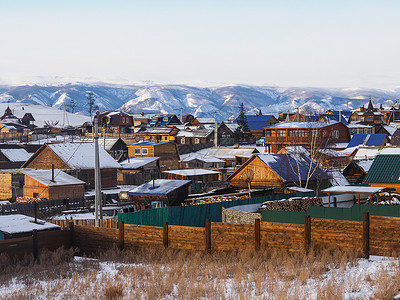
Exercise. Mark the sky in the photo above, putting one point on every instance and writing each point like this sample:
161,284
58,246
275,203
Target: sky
284,43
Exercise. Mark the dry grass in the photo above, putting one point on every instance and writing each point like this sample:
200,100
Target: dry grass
160,274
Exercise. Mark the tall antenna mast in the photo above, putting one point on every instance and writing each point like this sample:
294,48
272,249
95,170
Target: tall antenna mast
215,130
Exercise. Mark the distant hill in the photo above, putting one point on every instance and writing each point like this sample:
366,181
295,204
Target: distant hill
201,101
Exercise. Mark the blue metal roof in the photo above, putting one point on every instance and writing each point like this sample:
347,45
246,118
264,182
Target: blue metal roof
335,118
363,139
257,122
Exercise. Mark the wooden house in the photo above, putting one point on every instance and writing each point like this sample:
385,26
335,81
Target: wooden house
276,171
257,124
199,121
139,169
12,184
226,133
117,148
116,122
197,161
13,158
157,134
141,119
369,140
369,116
307,134
159,193
167,151
76,159
384,172
356,170
230,154
195,136
52,185
165,120
18,226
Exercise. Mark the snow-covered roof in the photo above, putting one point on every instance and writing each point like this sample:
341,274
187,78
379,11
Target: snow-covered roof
337,178
295,149
299,189
195,133
192,172
390,129
338,145
14,155
389,150
137,162
21,223
366,153
156,130
232,126
158,187
109,143
146,143
301,124
201,158
364,164
358,125
44,176
332,153
81,156
205,120
355,189
230,153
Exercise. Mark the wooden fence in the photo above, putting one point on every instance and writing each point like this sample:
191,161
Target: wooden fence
375,235
106,223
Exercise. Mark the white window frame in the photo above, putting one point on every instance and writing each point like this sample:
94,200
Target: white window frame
145,151
138,151
196,140
183,141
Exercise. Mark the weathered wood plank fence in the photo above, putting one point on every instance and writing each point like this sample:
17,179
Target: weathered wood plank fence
373,236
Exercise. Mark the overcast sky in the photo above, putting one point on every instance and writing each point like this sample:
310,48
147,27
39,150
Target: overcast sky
285,43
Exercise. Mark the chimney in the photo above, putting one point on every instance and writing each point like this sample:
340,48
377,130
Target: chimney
52,173
236,146
142,113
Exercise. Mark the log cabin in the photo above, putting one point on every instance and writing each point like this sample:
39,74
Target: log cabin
76,159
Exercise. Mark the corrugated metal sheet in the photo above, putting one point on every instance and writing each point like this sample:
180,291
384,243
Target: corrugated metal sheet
384,169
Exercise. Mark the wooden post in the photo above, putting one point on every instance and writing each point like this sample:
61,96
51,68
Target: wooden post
329,200
35,245
208,235
71,234
366,235
121,235
257,234
358,198
165,235
307,233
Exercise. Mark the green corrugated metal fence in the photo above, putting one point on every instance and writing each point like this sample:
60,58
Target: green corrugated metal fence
149,217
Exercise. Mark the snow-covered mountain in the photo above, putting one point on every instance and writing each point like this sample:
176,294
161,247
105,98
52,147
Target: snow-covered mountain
201,101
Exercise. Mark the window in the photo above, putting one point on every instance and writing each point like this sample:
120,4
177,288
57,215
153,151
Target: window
335,134
315,132
183,141
197,141
137,151
303,133
166,138
280,133
35,195
145,151
165,119
123,119
268,133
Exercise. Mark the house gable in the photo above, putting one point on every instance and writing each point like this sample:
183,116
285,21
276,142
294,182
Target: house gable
44,158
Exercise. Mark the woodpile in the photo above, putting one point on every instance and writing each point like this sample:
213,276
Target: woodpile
216,199
384,199
292,204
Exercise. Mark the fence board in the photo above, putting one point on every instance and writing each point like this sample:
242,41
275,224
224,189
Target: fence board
282,235
229,236
139,235
91,239
188,238
384,235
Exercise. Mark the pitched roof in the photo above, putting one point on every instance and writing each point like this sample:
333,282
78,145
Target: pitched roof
192,172
137,162
363,139
230,153
199,133
384,169
79,155
257,122
60,178
162,187
302,124
147,143
14,155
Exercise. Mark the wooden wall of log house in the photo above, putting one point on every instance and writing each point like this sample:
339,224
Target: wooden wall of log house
262,176
45,159
6,186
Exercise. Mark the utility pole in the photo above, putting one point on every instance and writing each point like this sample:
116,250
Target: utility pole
91,97
182,115
97,179
215,130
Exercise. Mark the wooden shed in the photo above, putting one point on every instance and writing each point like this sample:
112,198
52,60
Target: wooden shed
52,185
160,192
195,175
76,159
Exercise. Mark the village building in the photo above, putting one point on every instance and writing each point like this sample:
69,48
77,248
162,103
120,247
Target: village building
18,226
277,171
116,147
13,158
384,172
356,170
226,133
199,121
116,122
157,134
137,170
166,151
165,120
52,185
257,124
307,134
141,119
357,128
187,119
229,154
369,116
21,125
370,140
76,159
199,161
159,193
195,136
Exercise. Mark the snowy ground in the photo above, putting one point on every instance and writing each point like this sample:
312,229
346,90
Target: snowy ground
183,279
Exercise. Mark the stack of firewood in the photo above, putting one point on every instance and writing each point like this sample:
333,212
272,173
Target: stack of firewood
292,204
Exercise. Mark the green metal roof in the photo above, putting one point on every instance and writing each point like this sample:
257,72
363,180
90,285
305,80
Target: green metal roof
384,169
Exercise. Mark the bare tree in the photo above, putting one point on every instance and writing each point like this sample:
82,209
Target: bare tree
248,176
